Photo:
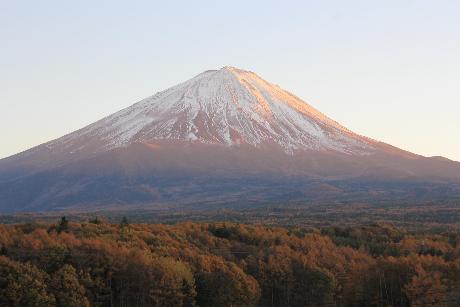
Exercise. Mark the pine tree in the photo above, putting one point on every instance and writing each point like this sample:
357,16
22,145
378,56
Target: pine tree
63,225
124,222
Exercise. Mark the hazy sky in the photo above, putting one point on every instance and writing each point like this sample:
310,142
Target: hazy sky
389,70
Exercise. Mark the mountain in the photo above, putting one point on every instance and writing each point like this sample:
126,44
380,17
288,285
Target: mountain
224,136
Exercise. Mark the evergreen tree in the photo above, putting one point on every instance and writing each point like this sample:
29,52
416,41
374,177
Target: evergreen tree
95,221
124,222
63,225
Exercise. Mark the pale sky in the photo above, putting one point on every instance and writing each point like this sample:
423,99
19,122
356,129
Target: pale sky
389,70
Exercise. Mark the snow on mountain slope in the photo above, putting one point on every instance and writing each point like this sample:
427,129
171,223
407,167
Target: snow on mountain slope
229,106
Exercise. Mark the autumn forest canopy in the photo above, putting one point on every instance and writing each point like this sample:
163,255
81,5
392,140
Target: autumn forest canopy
97,263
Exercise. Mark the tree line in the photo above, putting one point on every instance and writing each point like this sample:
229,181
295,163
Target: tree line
96,263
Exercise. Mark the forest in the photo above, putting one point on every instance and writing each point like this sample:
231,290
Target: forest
101,263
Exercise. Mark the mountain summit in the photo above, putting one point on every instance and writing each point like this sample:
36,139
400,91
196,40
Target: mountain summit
222,135
229,106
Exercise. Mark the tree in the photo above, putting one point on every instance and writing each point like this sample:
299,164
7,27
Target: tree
23,285
426,289
312,287
124,222
95,221
226,285
3,250
63,225
67,289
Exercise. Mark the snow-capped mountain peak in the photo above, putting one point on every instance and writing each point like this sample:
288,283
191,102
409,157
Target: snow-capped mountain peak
229,106
223,136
